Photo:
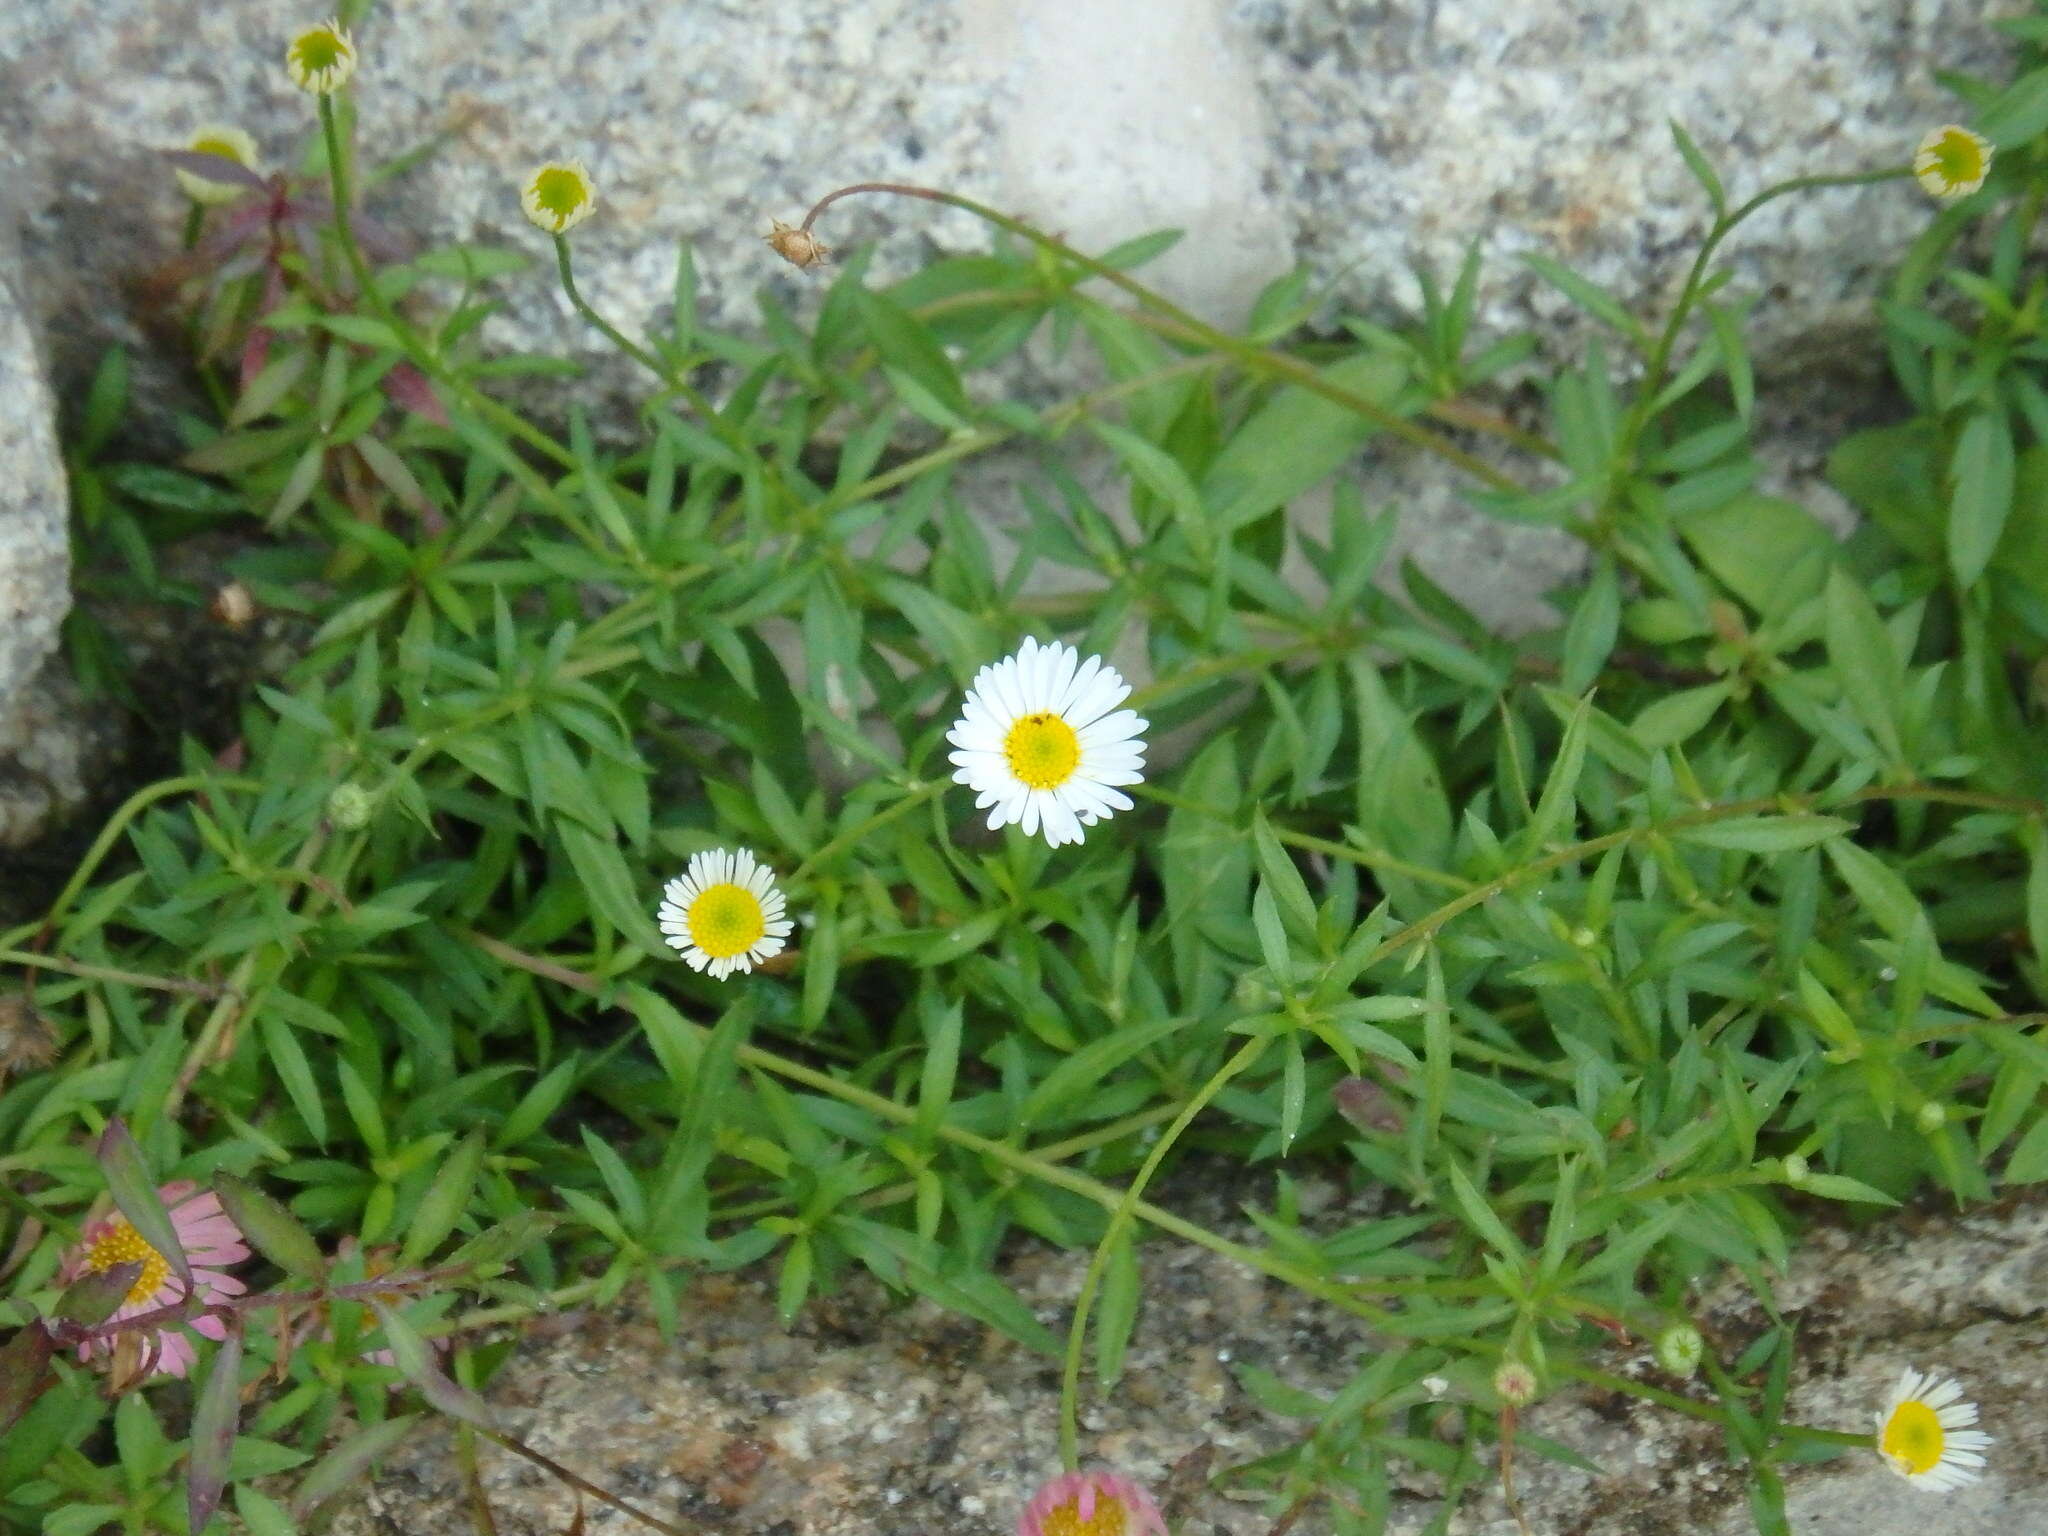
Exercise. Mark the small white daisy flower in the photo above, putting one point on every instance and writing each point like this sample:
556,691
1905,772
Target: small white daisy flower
558,196
1924,1435
1952,162
724,913
229,142
320,59
1040,745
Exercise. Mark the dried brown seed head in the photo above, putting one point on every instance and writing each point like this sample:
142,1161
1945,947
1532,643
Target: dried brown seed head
798,247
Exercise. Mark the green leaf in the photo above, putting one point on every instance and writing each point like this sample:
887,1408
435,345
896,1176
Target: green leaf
1116,1308
441,1207
1981,500
1879,889
1557,807
1860,647
608,882
2029,1161
278,1235
1295,441
135,1195
2018,113
1589,296
214,1420
1891,474
1595,623
908,351
1482,1217
1702,172
1765,834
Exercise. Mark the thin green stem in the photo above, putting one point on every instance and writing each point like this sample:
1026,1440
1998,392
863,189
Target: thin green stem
30,960
1255,358
1660,357
917,794
112,832
612,333
1119,1220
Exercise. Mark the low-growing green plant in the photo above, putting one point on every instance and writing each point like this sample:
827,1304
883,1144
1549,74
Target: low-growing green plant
1612,955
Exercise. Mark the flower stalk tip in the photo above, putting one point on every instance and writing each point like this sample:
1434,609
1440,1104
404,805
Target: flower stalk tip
798,247
559,195
321,59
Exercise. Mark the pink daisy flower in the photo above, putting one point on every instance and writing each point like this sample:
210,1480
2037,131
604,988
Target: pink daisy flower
1091,1504
211,1241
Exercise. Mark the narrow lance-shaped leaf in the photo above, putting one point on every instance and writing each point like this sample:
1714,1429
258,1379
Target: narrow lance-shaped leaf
24,1372
91,1299
214,1421
275,1231
135,1196
348,1461
1981,498
416,1363
445,1200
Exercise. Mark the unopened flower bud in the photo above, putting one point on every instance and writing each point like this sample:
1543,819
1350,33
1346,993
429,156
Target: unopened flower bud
1680,1348
320,59
1930,1117
798,247
1367,1105
1952,162
558,196
1796,1170
348,807
1514,1384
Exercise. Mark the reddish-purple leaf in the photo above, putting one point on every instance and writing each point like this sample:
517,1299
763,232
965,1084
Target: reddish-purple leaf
218,168
379,239
91,1299
255,357
135,1195
241,222
214,1421
407,387
348,1461
416,1364
24,1372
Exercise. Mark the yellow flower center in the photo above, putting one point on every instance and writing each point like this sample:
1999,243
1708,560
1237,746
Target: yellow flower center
560,192
318,51
1043,752
122,1244
726,920
1066,1520
1913,1440
1958,158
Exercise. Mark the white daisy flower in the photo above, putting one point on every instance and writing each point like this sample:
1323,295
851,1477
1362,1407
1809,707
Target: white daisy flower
1039,745
724,913
1952,162
1924,1435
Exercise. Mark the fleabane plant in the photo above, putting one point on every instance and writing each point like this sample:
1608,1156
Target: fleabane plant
1581,964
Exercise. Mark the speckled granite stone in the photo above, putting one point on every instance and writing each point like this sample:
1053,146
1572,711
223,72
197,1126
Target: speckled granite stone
35,545
1352,135
871,1419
